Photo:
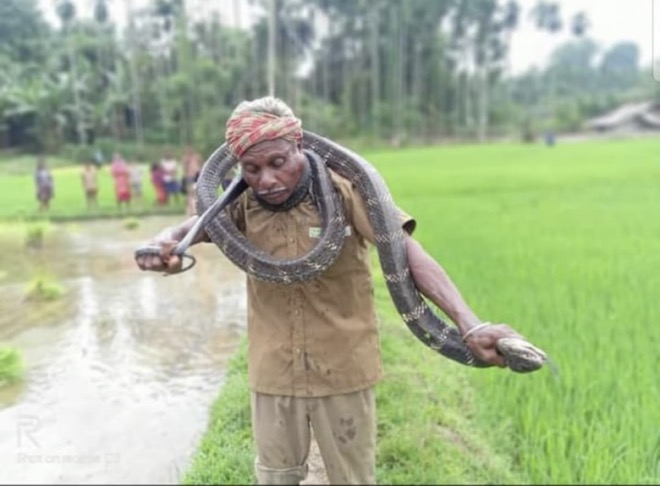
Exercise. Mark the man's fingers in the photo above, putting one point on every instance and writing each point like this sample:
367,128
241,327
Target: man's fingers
166,250
174,264
498,331
150,262
498,360
156,263
504,330
483,345
493,357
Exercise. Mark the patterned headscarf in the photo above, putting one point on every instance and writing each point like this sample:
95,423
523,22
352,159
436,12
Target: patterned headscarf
248,127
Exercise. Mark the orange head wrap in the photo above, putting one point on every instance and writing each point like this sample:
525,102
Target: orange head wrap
247,128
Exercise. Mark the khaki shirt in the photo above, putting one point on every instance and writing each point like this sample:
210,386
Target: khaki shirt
319,337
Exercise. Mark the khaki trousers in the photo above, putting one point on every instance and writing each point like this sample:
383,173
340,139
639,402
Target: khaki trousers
344,427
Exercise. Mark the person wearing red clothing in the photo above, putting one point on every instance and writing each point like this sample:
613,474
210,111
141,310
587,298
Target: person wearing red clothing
121,174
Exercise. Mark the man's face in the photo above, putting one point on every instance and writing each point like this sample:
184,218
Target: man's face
272,169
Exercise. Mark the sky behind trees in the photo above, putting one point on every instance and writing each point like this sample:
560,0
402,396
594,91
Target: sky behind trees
611,21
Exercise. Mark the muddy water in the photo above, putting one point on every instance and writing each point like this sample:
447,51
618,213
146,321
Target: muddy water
122,369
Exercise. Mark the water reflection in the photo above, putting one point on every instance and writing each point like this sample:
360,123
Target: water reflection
122,370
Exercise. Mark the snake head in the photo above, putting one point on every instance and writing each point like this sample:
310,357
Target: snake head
520,355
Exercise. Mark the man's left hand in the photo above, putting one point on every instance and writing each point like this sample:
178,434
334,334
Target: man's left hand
482,343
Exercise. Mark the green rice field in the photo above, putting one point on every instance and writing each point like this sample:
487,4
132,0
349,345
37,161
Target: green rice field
563,244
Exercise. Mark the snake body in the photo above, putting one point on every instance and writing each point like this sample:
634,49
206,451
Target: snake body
322,153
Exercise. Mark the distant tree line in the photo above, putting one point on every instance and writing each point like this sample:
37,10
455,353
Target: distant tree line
402,71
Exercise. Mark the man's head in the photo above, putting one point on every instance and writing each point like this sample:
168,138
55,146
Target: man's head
265,136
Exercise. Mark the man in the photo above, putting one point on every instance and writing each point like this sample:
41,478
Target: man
313,357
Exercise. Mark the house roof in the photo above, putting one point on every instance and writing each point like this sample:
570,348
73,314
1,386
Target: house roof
624,114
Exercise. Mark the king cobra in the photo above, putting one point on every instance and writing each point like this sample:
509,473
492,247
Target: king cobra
324,154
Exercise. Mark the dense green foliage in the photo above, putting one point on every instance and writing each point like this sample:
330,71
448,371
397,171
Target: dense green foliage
170,73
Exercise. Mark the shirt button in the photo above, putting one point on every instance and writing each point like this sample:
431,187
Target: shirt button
297,312
290,240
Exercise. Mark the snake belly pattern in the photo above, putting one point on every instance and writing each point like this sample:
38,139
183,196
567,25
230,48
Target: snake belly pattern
389,240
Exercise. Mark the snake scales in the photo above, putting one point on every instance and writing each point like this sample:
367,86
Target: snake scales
520,355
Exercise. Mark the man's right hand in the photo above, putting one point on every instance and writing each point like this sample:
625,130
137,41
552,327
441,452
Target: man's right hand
166,241
164,261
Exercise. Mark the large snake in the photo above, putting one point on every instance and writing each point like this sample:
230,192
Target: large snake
322,154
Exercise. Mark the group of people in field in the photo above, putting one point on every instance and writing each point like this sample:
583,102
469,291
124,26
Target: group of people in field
171,179
169,184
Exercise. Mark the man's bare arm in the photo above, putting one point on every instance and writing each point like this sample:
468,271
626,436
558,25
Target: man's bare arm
434,283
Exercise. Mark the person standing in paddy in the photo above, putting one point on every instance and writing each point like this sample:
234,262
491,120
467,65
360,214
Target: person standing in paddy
314,353
43,180
121,175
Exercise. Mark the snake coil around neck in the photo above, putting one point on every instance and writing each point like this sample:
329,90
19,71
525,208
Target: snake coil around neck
323,154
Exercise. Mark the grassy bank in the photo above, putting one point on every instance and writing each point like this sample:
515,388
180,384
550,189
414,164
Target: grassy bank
11,365
562,243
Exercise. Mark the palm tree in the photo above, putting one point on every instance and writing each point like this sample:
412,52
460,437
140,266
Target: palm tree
580,24
135,84
66,11
510,18
547,17
272,40
101,12
374,22
463,40
238,25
